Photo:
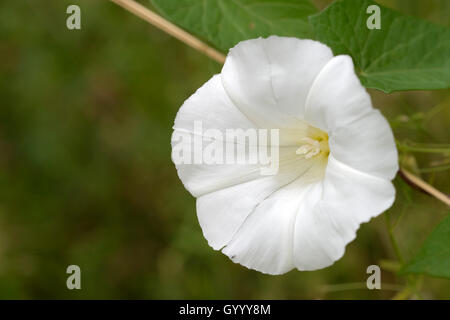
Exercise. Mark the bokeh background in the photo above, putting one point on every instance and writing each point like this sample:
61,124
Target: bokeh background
86,176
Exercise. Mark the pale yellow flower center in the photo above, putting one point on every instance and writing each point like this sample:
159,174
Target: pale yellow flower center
314,145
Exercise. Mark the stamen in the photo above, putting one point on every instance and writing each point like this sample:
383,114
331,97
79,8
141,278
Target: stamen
310,148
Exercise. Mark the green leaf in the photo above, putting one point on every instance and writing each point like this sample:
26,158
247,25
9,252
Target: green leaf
434,257
405,54
224,23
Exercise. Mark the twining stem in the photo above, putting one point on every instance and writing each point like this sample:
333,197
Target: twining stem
435,168
392,239
168,27
422,185
423,149
412,282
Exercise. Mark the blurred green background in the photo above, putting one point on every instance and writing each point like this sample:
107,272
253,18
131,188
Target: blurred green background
86,176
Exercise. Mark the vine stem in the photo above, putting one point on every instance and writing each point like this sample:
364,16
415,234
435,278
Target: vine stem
422,185
168,27
394,244
171,29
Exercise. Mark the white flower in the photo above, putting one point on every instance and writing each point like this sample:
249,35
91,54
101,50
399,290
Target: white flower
337,156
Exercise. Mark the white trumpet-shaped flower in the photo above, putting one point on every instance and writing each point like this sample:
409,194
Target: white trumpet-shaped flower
337,156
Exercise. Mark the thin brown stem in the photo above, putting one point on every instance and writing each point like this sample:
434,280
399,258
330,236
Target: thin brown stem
171,29
422,185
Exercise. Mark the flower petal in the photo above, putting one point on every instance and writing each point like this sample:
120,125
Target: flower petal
367,144
211,105
336,97
221,213
325,226
269,79
265,240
